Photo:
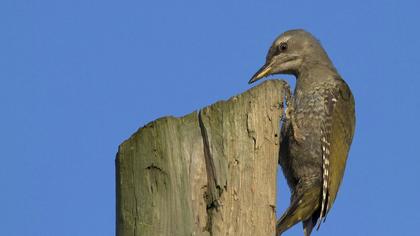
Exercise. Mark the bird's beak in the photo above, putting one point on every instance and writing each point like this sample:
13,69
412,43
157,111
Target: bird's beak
261,73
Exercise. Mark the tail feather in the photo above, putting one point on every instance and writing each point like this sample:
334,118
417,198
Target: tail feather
309,224
301,208
288,219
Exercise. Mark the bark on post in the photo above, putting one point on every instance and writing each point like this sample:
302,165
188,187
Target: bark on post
211,172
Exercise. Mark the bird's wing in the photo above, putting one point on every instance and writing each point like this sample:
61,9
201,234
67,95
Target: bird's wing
336,137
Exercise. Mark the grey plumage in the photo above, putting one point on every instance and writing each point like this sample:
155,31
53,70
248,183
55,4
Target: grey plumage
318,131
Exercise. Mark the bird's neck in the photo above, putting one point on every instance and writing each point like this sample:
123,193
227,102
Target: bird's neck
313,73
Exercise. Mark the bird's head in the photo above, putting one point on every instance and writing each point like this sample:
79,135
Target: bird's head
289,52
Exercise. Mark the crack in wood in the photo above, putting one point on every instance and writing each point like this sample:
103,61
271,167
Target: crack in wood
212,189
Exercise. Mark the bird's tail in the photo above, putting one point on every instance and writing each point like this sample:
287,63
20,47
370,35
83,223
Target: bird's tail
301,208
309,224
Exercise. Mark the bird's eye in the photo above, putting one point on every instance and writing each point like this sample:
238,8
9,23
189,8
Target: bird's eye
282,47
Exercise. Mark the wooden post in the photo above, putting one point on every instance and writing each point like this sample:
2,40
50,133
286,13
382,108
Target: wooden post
212,172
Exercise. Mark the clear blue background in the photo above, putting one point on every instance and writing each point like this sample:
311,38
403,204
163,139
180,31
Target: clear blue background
78,77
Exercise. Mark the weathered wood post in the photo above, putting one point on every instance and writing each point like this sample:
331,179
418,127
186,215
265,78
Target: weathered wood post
211,172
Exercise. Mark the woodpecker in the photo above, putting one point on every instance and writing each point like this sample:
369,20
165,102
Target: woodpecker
318,129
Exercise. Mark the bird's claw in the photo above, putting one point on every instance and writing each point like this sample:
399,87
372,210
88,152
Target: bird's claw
298,134
288,113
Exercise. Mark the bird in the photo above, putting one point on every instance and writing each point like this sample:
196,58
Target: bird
318,128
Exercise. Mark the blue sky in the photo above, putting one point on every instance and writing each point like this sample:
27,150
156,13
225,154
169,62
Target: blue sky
78,77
